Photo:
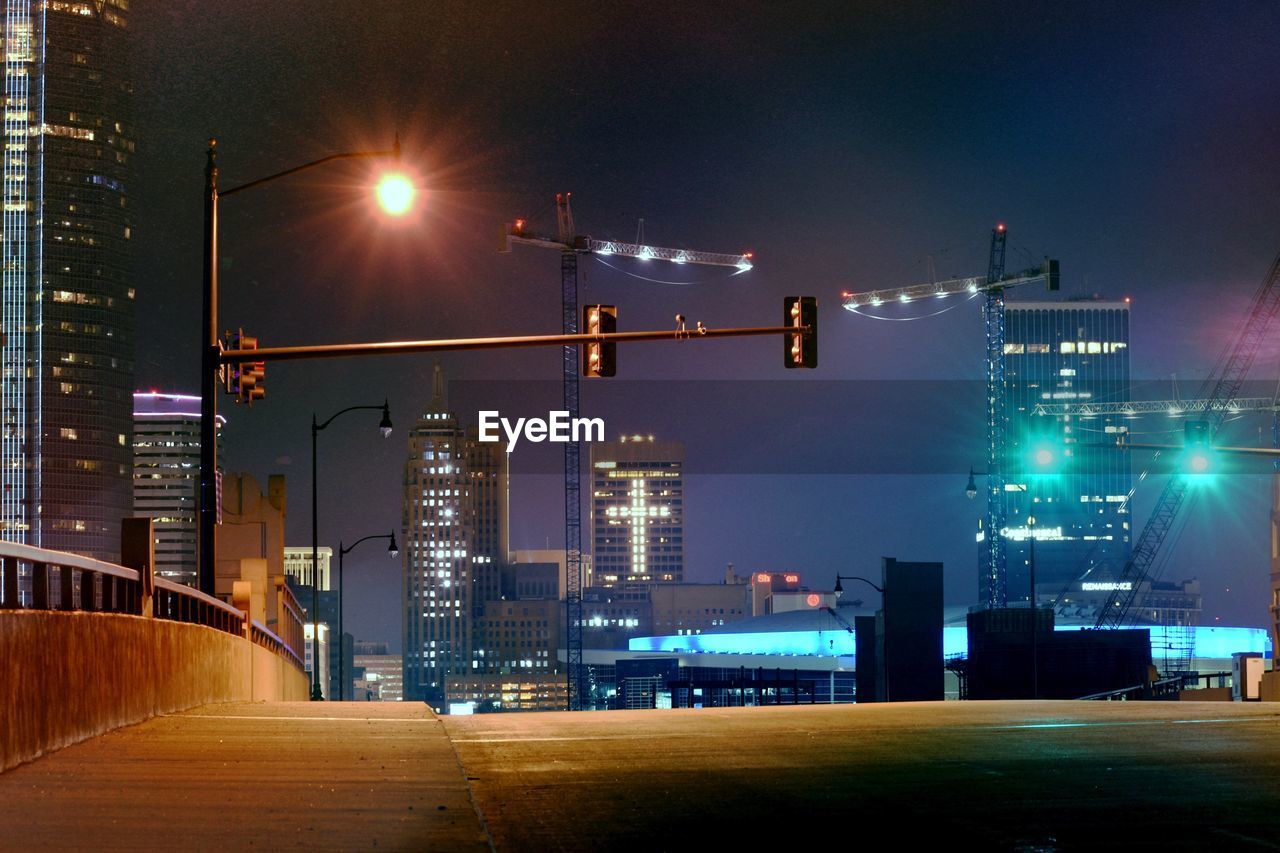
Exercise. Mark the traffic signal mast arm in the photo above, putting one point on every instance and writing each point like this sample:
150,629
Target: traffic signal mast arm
297,353
1047,272
1224,384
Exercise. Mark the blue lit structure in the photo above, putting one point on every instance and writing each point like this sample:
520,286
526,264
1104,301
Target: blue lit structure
1209,642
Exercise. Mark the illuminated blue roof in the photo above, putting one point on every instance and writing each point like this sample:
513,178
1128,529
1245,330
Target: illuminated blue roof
1209,642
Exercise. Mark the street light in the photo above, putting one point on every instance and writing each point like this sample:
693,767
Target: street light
840,589
394,551
209,346
395,194
385,428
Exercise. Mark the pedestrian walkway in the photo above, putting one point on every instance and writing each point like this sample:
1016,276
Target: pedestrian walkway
341,775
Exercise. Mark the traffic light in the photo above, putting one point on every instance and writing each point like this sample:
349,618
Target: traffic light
1045,457
800,349
1198,456
599,358
244,378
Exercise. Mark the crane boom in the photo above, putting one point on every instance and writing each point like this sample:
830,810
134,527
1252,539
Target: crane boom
949,287
1173,408
1216,406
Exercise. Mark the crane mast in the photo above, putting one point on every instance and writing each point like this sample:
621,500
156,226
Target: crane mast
570,244
994,564
1217,402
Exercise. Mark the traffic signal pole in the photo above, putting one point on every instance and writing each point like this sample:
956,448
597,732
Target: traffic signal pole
299,353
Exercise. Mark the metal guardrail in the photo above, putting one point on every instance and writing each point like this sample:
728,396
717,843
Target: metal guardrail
39,579
1164,688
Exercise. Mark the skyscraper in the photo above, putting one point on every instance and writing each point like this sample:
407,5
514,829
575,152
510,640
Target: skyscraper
1066,352
637,511
455,543
166,461
66,281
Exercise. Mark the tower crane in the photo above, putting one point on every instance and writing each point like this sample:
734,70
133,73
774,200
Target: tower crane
1216,402
994,567
571,244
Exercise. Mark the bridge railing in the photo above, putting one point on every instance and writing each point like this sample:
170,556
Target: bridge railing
39,579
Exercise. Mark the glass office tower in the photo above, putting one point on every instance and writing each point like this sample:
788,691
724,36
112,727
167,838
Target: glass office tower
1066,352
67,346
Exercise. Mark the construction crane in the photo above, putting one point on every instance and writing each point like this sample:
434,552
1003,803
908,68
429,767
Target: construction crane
1216,403
994,568
571,244
1172,408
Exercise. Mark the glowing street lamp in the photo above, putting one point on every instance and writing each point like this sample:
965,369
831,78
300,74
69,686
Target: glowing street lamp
395,194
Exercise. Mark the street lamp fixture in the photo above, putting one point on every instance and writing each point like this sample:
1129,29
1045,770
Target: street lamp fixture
209,339
395,194
971,490
385,428
393,551
839,588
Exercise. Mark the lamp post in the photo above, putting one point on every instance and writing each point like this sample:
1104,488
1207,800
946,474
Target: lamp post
395,194
839,590
385,428
343,550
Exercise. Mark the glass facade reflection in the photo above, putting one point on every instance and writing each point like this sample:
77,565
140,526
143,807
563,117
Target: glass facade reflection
67,349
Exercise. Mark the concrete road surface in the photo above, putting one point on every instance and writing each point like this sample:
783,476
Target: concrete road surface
330,776
969,775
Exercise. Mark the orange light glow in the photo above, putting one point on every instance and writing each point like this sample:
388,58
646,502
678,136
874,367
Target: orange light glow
812,600
762,578
395,194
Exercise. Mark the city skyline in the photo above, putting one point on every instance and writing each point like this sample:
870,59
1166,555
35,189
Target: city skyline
1045,181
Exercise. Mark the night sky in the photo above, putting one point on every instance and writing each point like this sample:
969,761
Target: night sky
842,143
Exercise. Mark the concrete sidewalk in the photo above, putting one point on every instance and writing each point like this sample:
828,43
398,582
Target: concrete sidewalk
241,776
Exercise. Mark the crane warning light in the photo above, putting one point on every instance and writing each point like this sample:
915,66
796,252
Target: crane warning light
1000,227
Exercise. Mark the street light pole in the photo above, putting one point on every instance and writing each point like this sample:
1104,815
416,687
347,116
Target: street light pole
394,551
209,380
210,350
385,426
1035,629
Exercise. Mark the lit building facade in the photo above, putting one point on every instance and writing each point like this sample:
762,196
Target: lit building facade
1066,352
455,543
68,322
166,462
297,565
637,511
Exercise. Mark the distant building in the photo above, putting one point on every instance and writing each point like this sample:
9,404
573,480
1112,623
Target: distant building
455,541
383,673
637,511
510,692
691,608
1065,352
520,636
166,459
311,654
554,555
297,565
764,585
612,616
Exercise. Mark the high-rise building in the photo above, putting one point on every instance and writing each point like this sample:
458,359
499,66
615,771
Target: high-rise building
67,346
637,511
455,543
166,462
1066,352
